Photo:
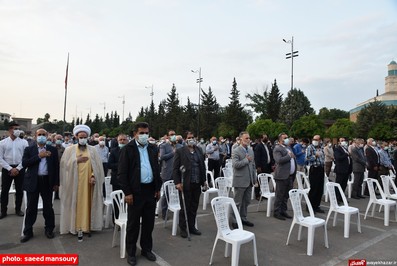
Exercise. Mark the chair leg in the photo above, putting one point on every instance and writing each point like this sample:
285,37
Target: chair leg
387,214
368,206
175,222
235,254
206,196
335,216
166,217
328,215
289,234
114,235
325,237
259,202
373,209
358,222
300,233
310,240
255,252
269,206
122,241
347,225
213,249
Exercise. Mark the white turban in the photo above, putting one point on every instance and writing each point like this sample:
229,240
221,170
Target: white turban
81,128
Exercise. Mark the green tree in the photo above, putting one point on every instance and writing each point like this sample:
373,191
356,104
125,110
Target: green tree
343,127
235,116
369,117
173,111
332,114
209,114
274,103
258,103
307,126
266,126
295,106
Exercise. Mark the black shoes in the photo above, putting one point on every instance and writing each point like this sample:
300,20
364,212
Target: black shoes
247,223
131,260
194,231
278,216
286,215
149,255
3,214
19,213
183,233
26,238
49,234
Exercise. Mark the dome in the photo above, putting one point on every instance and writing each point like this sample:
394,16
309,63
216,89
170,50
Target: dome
393,62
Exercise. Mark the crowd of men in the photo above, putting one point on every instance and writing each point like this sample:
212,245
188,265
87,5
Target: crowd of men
139,164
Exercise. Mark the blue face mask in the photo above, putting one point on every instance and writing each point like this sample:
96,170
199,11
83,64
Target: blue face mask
121,145
41,139
286,141
49,142
142,138
58,142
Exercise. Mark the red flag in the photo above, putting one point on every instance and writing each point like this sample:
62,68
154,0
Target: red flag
67,70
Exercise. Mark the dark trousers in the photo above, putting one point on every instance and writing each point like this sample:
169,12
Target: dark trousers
358,182
192,198
105,168
342,180
43,189
283,186
316,178
6,181
144,205
214,165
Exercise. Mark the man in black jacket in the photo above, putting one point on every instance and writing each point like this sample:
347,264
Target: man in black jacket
263,159
343,165
41,178
139,178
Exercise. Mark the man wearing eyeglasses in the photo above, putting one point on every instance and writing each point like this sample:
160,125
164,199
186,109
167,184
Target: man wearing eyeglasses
42,178
11,152
139,178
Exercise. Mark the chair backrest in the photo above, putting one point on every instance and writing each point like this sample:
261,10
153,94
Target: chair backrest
118,198
372,184
227,172
264,184
211,178
272,185
331,189
386,181
295,196
108,188
351,179
302,180
220,207
221,183
171,193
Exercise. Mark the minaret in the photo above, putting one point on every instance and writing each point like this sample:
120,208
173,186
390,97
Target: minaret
391,79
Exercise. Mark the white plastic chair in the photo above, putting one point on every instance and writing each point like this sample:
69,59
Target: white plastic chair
311,222
263,180
383,201
350,185
210,190
344,209
107,202
172,197
222,184
118,198
39,206
303,181
234,237
386,181
364,182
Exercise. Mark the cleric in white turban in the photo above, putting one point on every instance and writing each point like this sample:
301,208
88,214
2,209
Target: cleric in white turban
81,180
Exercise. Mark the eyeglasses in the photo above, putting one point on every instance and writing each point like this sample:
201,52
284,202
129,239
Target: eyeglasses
41,134
141,133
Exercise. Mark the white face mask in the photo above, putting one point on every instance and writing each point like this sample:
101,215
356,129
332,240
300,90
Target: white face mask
142,138
373,143
102,143
83,141
315,142
16,133
343,143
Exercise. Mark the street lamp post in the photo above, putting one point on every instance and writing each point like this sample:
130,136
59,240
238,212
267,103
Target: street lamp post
123,106
151,92
199,80
104,109
291,55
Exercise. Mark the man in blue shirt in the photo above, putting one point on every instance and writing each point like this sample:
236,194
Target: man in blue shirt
139,178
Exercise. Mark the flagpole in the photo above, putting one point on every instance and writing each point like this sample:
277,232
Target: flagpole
66,91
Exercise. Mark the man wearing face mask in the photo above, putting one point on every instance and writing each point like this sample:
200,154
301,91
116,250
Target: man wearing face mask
373,158
81,180
329,157
359,163
11,153
42,178
103,152
263,159
192,159
212,150
139,178
284,175
343,165
244,177
315,160
167,152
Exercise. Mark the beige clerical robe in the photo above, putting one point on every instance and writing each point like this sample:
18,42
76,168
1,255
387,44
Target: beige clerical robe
69,189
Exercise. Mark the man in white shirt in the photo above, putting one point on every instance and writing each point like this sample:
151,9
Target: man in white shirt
11,152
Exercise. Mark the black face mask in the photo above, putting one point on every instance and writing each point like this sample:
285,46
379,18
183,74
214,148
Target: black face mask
265,140
180,141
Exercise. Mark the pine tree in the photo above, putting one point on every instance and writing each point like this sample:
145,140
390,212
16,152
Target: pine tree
274,102
209,114
173,109
295,106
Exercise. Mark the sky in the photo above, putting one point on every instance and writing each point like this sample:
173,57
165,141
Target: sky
124,48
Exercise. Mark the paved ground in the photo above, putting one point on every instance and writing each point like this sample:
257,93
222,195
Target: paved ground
375,243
